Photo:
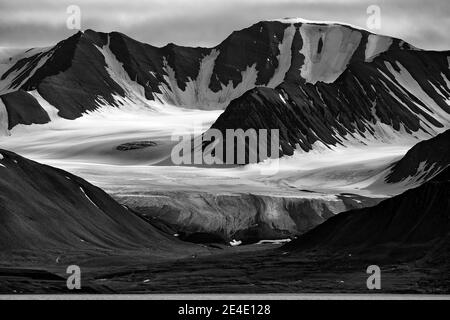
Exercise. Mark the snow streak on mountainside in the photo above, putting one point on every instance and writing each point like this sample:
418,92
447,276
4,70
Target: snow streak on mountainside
411,225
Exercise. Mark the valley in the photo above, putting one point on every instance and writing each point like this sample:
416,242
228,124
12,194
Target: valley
88,127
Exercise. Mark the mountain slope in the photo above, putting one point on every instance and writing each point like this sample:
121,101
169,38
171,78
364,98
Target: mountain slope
44,208
394,97
412,224
422,161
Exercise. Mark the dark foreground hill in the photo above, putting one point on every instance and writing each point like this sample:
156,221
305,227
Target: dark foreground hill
412,225
423,161
44,208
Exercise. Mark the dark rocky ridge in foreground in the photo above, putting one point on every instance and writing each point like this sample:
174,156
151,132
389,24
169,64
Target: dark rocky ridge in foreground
44,208
423,160
412,225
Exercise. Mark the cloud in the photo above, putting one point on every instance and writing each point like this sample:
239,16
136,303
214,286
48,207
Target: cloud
208,22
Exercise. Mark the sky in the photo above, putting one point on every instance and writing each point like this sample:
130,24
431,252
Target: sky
31,23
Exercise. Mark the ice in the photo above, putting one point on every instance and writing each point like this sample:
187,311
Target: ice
134,92
376,45
3,119
274,242
93,138
284,58
51,110
338,45
318,22
235,243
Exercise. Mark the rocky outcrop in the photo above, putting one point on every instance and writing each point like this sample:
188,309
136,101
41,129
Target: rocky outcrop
23,108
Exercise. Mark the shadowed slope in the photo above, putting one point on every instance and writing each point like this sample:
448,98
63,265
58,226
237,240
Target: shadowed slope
408,225
47,208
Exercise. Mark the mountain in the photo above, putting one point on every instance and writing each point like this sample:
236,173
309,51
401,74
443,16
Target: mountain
410,225
318,83
423,161
399,93
47,209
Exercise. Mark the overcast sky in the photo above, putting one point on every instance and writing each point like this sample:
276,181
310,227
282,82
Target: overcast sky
29,23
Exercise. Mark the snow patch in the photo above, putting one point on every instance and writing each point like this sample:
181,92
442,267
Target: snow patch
197,92
51,110
1,158
327,51
7,62
318,22
3,119
375,45
407,81
275,242
82,190
284,58
235,243
134,92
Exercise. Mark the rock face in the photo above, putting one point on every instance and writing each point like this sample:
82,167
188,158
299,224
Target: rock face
43,208
326,82
135,145
205,217
413,224
423,161
23,108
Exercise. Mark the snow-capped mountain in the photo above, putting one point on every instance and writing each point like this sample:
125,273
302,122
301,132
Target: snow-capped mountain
326,83
383,90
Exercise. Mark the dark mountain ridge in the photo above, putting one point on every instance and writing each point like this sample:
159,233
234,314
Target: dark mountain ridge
408,226
423,161
44,208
